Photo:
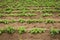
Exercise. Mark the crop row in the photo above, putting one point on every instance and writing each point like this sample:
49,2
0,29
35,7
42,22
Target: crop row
22,30
30,21
13,3
25,10
34,8
22,14
28,14
48,14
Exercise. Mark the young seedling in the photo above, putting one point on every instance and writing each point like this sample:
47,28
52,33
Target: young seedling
31,21
12,21
21,30
59,15
40,20
1,15
47,14
22,20
1,31
54,31
0,21
10,30
8,10
31,14
37,30
7,21
49,21
22,14
4,21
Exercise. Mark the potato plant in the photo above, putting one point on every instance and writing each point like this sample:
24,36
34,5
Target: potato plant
22,14
37,30
12,21
59,15
49,10
34,21
21,30
31,14
1,15
31,21
7,21
10,30
45,3
41,20
1,31
47,14
4,21
49,21
54,31
8,10
21,20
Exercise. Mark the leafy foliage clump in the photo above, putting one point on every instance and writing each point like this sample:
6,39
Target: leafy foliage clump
10,30
8,10
50,21
47,14
37,30
4,21
22,20
1,31
1,15
21,30
54,31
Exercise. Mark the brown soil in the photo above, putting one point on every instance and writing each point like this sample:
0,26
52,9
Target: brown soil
27,36
55,16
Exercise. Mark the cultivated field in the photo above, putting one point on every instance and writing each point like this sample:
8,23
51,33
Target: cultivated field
29,19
